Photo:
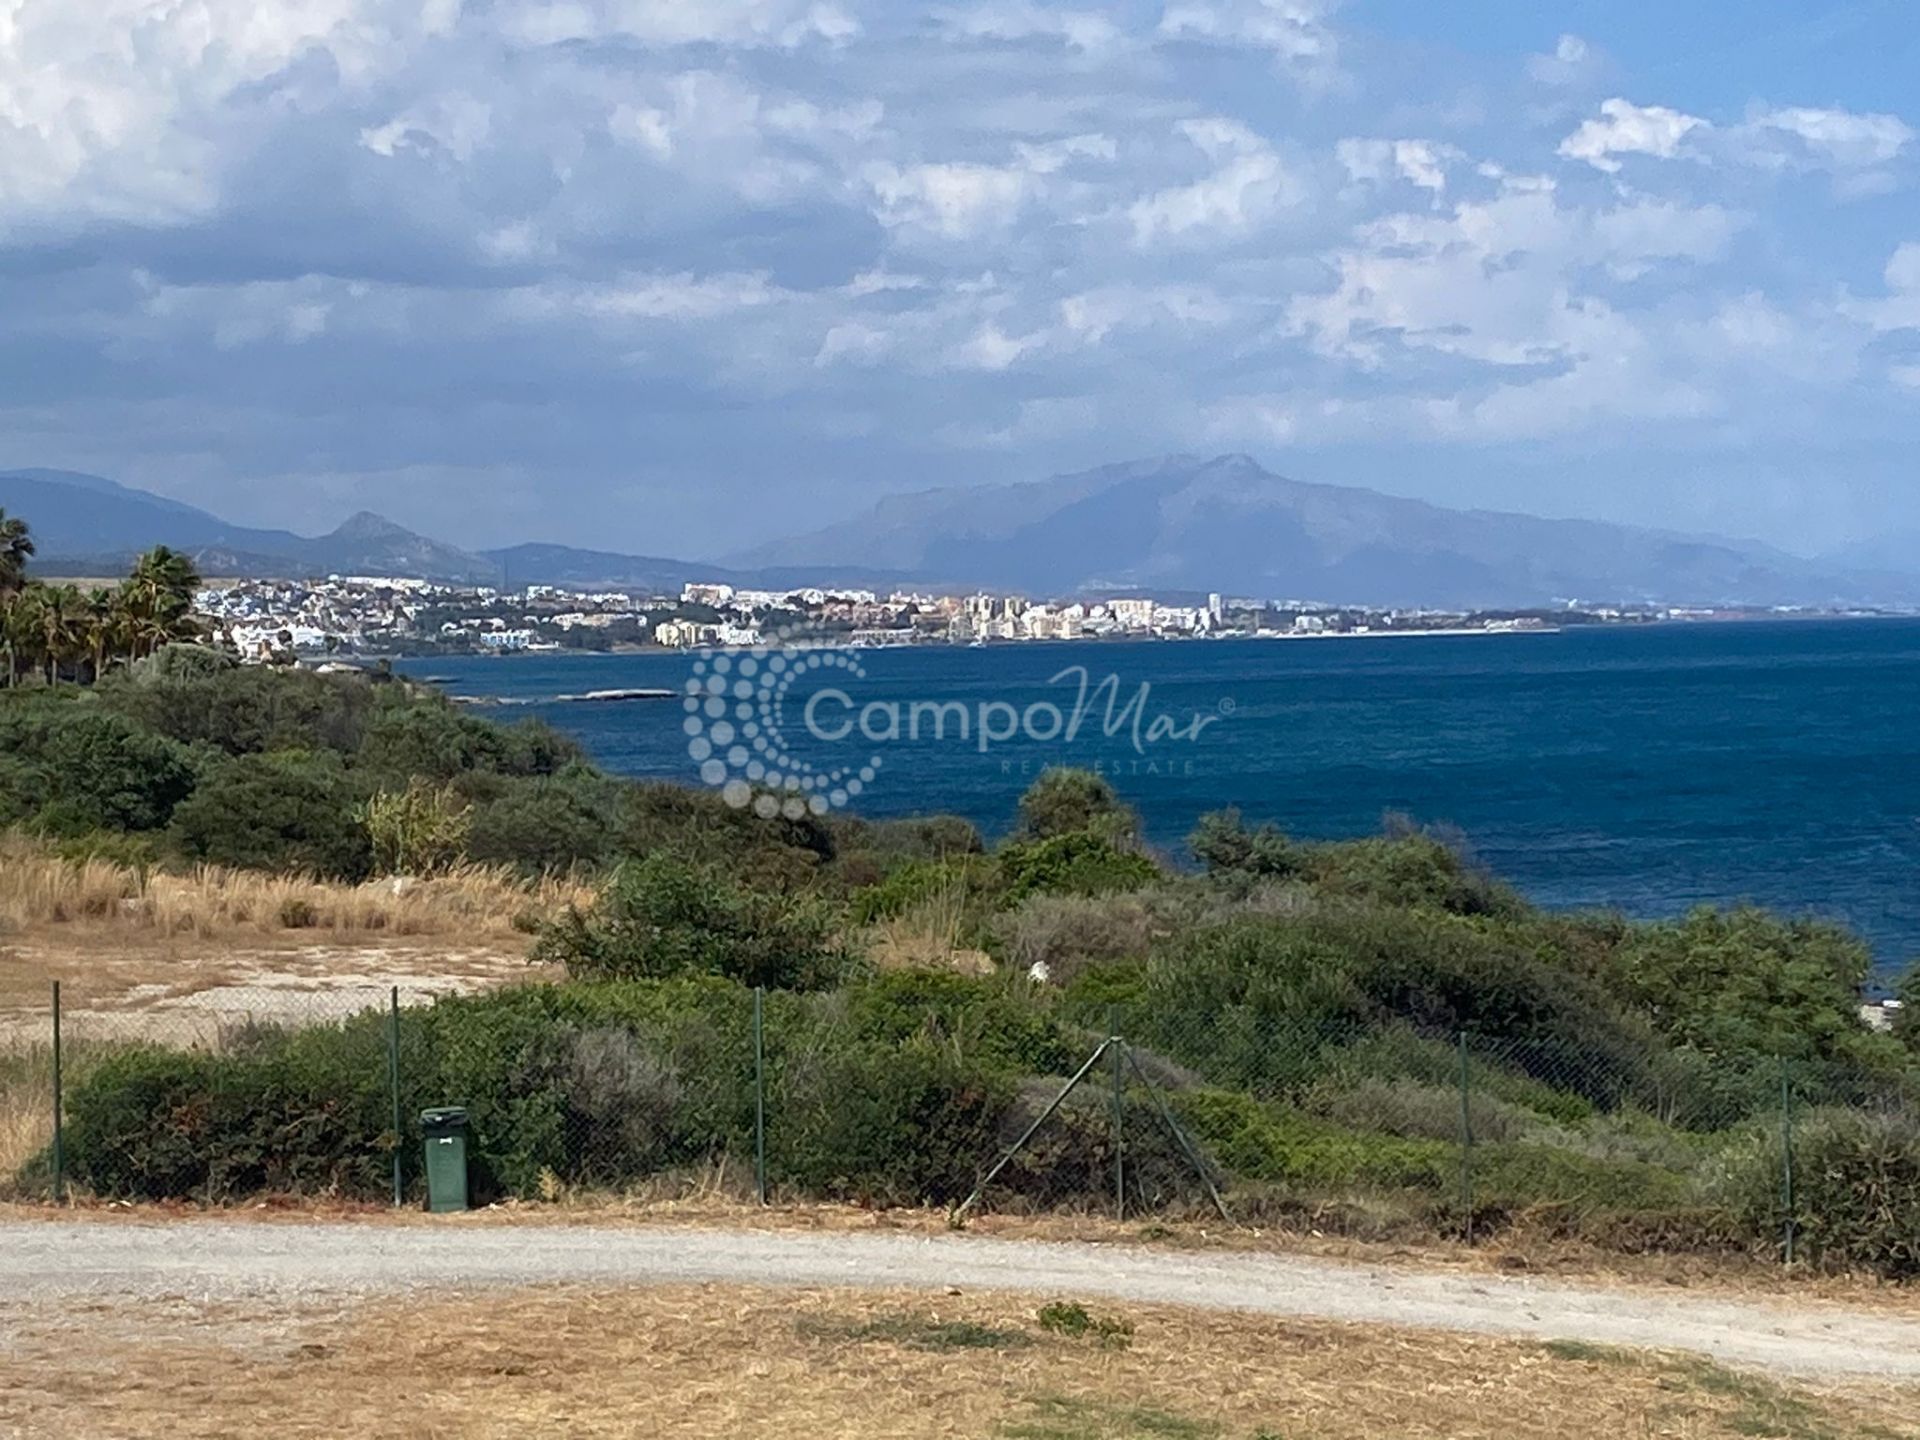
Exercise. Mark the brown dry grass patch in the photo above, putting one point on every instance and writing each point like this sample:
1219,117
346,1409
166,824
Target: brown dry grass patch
708,1361
473,903
26,1107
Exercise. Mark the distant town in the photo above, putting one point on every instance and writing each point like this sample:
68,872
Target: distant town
347,616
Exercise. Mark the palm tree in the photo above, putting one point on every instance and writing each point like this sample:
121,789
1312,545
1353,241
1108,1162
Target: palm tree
103,628
24,640
62,622
158,597
13,607
16,548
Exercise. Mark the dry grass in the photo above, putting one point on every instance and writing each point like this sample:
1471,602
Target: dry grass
928,935
474,903
26,1107
710,1361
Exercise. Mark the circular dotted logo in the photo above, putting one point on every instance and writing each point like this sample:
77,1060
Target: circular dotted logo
737,727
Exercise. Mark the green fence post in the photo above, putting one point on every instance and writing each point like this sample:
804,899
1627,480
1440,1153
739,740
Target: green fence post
59,1119
1466,1140
393,1083
759,1093
1119,1114
1786,1154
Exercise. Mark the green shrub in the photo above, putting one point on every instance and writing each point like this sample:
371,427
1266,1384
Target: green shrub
249,710
1413,869
698,827
416,831
285,811
1223,843
546,823
103,773
984,1021
1066,801
1079,863
659,917
297,1113
143,1124
1745,985
1254,1006
1278,1145
1418,1111
881,1124
427,737
1856,1190
969,880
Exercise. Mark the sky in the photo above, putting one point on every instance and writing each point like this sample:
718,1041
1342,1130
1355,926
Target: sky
678,277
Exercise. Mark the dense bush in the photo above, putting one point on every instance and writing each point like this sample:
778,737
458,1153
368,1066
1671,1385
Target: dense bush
70,768
1076,863
1226,845
430,738
966,880
1856,1190
1066,801
290,810
660,916
545,823
248,710
1742,984
875,1096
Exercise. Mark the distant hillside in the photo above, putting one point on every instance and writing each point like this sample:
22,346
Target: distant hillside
1175,525
84,524
1185,523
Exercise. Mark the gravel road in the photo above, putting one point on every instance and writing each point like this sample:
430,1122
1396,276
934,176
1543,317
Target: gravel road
210,1260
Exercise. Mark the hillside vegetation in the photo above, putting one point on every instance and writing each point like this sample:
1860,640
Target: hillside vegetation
1371,1035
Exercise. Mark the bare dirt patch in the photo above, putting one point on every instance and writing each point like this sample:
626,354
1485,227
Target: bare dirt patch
179,990
730,1361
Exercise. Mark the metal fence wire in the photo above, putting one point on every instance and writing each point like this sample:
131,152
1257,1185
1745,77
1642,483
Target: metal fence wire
927,1098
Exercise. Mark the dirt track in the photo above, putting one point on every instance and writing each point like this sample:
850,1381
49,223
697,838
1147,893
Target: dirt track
205,1260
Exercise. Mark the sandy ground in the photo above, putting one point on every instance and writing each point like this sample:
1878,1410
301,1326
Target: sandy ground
706,1362
183,992
217,1261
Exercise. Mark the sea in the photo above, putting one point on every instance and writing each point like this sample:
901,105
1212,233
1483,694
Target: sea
1645,769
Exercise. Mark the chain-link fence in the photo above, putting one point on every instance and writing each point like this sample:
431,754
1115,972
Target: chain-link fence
929,1089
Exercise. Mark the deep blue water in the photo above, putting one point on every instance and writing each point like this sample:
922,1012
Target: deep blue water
1644,769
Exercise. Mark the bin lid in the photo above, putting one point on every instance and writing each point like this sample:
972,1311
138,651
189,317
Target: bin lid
443,1116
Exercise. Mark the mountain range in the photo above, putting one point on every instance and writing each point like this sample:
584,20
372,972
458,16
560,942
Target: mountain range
1177,524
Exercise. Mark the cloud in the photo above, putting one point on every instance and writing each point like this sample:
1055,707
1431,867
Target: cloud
1858,149
1017,20
1572,62
453,125
991,348
1421,162
1297,32
779,23
1247,184
1899,308
954,199
1788,138
656,250
1628,129
135,111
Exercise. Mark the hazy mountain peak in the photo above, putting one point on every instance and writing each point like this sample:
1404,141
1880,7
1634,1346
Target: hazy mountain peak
1224,522
367,525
